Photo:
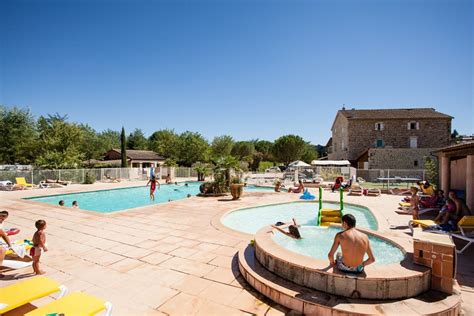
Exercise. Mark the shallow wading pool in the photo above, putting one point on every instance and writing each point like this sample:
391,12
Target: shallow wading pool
250,220
317,241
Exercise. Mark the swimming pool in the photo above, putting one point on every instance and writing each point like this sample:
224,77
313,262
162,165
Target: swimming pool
317,241
107,201
250,220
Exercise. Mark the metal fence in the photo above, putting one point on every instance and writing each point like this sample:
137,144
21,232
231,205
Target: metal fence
102,174
384,175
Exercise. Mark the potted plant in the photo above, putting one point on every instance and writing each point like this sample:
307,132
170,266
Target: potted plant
236,188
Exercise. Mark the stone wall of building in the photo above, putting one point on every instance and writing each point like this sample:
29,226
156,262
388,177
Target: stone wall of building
340,139
398,158
431,133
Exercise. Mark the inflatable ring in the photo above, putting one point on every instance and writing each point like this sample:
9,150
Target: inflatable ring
12,231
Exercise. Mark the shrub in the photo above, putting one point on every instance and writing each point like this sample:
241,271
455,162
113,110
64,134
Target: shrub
89,178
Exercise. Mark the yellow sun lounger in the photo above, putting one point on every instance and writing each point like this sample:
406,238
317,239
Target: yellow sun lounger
74,304
22,182
465,223
21,293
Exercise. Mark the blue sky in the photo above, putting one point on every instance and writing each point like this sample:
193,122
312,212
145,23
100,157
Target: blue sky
250,69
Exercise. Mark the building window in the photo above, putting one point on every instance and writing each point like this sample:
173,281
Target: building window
415,163
379,143
413,142
413,125
379,126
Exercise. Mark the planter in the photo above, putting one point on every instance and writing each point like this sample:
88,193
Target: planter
236,189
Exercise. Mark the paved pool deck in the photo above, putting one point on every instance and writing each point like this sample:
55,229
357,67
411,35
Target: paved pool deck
169,258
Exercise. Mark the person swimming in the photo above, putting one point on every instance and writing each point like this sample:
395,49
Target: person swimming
292,232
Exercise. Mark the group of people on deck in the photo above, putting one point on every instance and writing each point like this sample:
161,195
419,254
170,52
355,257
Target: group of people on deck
38,240
452,208
354,245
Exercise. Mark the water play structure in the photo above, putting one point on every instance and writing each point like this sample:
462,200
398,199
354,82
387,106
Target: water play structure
327,216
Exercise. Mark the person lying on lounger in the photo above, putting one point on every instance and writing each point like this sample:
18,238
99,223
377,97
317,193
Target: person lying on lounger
297,189
292,232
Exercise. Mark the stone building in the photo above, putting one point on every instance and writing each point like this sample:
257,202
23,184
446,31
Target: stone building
135,158
388,138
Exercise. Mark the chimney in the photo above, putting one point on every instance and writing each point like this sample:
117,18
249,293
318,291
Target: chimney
343,107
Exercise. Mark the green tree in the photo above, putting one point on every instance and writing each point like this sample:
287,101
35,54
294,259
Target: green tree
243,150
265,148
17,136
431,167
123,148
289,148
192,147
91,145
59,143
109,139
137,140
310,154
165,142
222,145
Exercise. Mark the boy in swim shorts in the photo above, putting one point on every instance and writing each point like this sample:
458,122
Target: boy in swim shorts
39,245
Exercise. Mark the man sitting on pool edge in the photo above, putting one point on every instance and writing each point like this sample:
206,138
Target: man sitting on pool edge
354,245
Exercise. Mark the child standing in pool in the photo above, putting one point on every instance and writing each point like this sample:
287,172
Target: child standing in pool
153,182
39,245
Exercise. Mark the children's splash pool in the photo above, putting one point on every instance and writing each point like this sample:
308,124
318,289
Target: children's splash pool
250,220
317,241
107,201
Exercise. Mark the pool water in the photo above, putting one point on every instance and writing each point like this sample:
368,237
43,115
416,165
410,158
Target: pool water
250,220
107,201
317,241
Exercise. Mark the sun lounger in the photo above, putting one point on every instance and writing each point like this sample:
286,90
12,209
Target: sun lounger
22,182
468,237
356,191
407,211
77,303
21,293
374,192
9,186
465,232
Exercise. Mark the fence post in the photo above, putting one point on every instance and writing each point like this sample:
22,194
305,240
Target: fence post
388,179
423,174
101,174
59,175
32,176
83,175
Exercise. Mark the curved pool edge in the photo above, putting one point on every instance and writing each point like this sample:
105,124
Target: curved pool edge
392,281
216,220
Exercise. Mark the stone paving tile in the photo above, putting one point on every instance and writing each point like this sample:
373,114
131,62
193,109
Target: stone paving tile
222,261
192,285
204,257
165,247
103,257
126,265
185,304
222,275
248,302
225,251
154,296
183,252
156,258
207,247
220,293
